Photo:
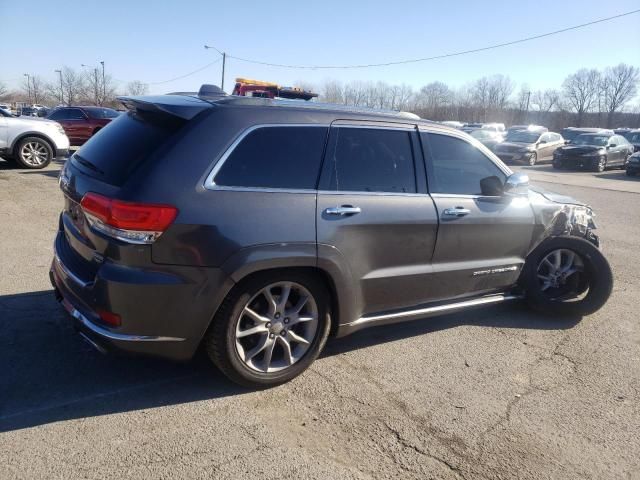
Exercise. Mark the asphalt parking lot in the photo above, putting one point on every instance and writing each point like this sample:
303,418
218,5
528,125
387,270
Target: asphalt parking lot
498,393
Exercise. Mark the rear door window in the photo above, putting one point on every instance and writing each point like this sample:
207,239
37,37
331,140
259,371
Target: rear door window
282,157
124,144
364,159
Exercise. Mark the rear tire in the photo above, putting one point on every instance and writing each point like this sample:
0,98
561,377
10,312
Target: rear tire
255,336
33,153
565,293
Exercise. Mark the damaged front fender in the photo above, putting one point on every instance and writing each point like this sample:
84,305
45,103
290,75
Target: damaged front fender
558,215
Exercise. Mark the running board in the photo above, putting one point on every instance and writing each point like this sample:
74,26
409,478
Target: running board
424,312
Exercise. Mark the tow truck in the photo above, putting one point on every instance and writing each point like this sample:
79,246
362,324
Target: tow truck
247,87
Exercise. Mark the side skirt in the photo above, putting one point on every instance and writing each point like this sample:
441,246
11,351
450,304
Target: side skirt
423,312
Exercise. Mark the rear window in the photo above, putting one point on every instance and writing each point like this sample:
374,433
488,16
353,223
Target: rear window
123,145
285,157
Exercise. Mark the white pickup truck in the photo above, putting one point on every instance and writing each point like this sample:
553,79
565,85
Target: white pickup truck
31,141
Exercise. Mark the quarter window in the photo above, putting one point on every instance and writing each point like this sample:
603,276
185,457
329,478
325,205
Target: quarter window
275,157
371,160
456,167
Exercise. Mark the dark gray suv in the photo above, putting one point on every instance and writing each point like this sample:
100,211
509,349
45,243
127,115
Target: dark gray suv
259,227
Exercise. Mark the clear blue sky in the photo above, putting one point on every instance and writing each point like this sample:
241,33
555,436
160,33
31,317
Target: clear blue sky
154,41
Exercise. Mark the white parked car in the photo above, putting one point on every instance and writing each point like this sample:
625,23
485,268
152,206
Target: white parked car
5,107
32,142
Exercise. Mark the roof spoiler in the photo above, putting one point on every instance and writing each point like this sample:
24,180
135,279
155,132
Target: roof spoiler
185,108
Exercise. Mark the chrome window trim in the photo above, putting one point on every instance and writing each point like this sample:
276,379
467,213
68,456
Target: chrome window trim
210,183
380,194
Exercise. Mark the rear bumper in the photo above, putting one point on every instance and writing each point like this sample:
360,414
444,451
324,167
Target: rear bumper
163,314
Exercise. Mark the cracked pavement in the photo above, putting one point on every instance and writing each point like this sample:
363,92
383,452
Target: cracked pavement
499,393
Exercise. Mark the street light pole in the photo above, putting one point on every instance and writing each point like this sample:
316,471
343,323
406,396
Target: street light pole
28,87
61,89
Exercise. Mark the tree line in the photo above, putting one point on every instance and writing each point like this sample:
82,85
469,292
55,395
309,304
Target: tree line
588,97
72,87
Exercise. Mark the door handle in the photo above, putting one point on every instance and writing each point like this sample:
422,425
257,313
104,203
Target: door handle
343,210
456,212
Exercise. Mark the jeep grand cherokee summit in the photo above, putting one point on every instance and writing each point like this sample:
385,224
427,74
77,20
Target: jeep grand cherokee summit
257,227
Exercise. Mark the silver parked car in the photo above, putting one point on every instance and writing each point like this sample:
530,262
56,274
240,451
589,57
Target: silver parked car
30,141
529,146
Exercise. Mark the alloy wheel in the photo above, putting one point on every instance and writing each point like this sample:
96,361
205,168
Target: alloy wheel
276,327
559,274
602,164
533,159
34,153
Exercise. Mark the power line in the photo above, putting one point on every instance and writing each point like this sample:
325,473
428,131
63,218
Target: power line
435,57
186,74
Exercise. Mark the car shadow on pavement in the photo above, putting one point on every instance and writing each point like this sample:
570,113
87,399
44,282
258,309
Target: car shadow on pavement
50,374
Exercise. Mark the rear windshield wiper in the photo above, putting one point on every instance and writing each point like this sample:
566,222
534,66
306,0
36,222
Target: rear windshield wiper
86,163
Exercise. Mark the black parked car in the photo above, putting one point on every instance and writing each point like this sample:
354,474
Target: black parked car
595,151
570,133
633,164
257,227
633,136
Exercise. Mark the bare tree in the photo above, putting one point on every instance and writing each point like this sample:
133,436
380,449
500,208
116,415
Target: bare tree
35,89
3,89
332,92
581,91
72,86
136,87
500,88
619,85
434,99
546,100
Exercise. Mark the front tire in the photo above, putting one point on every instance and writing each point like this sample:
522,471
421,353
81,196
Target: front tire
600,164
533,159
567,276
33,153
270,328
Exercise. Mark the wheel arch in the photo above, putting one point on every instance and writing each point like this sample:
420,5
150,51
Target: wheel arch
24,135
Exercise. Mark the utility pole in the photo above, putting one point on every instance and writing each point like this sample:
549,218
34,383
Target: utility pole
28,87
59,72
104,86
526,112
224,60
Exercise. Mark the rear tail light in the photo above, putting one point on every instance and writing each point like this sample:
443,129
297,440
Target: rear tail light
130,222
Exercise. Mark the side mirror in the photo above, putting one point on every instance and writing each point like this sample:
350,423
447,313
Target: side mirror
491,187
517,184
